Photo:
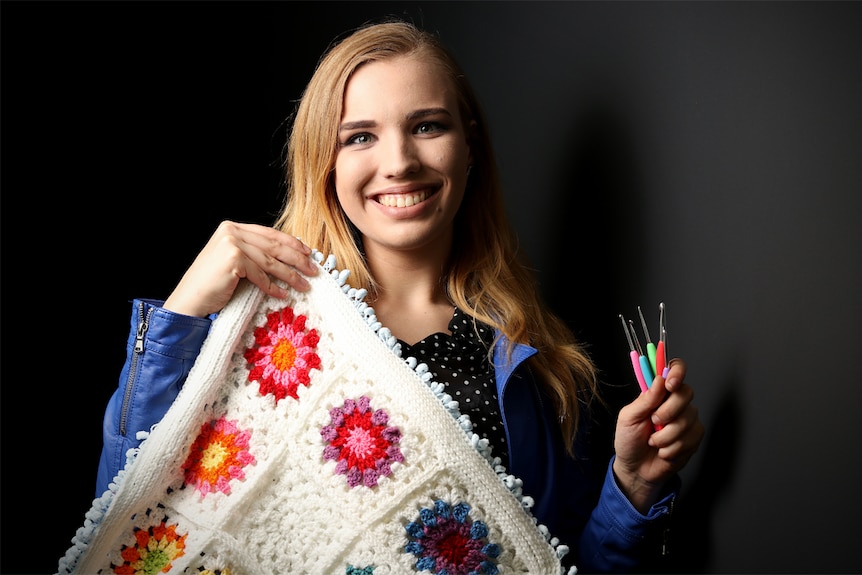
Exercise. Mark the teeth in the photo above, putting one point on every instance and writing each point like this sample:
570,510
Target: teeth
402,200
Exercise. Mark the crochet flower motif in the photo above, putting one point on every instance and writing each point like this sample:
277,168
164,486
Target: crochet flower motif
361,442
154,550
210,566
218,455
447,542
282,354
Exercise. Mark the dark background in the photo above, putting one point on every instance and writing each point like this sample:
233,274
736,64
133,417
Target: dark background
707,155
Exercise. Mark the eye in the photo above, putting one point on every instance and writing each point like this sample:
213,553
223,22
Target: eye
430,127
357,139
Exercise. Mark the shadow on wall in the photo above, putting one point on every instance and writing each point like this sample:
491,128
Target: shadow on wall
592,227
691,542
586,231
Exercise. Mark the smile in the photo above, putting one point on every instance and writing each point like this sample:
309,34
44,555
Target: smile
402,200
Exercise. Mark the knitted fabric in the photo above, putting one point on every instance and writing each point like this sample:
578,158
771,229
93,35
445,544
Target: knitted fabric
302,442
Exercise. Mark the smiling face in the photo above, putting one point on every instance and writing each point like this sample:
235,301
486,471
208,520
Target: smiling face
401,164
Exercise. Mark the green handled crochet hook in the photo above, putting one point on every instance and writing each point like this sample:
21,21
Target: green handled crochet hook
650,346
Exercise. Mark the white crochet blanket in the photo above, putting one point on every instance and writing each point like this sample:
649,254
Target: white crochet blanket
302,443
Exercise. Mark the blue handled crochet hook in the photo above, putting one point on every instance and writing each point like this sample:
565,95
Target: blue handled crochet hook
646,369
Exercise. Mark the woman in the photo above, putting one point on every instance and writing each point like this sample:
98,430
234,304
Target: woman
389,148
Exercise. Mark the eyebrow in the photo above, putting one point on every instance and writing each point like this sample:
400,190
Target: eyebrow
363,124
427,112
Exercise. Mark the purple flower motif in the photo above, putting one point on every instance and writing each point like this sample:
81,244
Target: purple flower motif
361,442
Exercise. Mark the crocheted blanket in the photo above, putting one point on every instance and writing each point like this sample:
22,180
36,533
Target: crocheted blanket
302,442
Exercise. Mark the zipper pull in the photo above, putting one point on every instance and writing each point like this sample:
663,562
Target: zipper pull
142,331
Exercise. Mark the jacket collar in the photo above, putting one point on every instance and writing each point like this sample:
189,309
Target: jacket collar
503,368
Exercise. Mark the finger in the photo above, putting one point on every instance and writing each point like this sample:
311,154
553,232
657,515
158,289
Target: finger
685,431
263,269
266,282
676,374
269,254
642,407
277,246
674,405
294,253
679,451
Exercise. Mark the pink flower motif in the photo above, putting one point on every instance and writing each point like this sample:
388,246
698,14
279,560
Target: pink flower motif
283,354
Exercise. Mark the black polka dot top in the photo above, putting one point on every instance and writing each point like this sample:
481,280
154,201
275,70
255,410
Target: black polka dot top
460,362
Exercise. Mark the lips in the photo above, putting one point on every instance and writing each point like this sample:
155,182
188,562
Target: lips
402,200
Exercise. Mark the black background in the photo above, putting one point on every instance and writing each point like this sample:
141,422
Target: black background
704,154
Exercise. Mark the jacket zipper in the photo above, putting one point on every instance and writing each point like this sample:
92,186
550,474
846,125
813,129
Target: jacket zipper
140,335
665,536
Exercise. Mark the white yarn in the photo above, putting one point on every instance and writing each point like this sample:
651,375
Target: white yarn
285,506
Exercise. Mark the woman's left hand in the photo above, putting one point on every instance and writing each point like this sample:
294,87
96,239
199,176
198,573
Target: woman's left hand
656,435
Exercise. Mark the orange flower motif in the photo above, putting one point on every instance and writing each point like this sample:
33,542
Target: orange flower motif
218,455
154,550
282,354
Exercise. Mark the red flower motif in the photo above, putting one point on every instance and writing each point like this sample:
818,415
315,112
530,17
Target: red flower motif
282,354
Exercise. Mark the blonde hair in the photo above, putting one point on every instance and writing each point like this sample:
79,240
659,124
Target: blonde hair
485,277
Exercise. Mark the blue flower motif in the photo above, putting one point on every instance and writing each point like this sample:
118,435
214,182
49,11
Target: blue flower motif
446,542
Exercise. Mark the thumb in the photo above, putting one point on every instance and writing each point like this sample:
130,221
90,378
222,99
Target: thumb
647,402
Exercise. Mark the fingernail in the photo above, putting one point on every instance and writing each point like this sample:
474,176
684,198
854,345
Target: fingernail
305,247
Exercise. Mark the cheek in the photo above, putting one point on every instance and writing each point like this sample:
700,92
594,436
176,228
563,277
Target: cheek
338,169
453,160
344,178
457,162
348,178
346,196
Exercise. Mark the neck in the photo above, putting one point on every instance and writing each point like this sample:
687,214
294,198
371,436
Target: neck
411,299
409,275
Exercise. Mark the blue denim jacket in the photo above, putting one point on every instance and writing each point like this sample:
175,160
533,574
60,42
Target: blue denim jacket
603,530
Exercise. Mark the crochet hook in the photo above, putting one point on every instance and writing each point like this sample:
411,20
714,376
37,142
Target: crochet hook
661,350
633,354
650,346
645,367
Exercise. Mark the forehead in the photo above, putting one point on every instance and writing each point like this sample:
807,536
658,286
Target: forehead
414,80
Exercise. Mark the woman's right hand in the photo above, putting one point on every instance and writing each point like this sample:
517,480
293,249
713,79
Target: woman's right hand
235,251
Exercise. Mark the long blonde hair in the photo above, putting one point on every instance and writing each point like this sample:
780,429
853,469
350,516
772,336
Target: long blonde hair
485,277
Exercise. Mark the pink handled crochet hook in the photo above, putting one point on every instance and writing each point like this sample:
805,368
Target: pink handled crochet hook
635,357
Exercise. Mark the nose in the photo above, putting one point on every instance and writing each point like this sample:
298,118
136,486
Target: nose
399,156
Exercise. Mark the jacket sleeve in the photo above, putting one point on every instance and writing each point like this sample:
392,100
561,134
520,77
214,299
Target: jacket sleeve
618,538
161,348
